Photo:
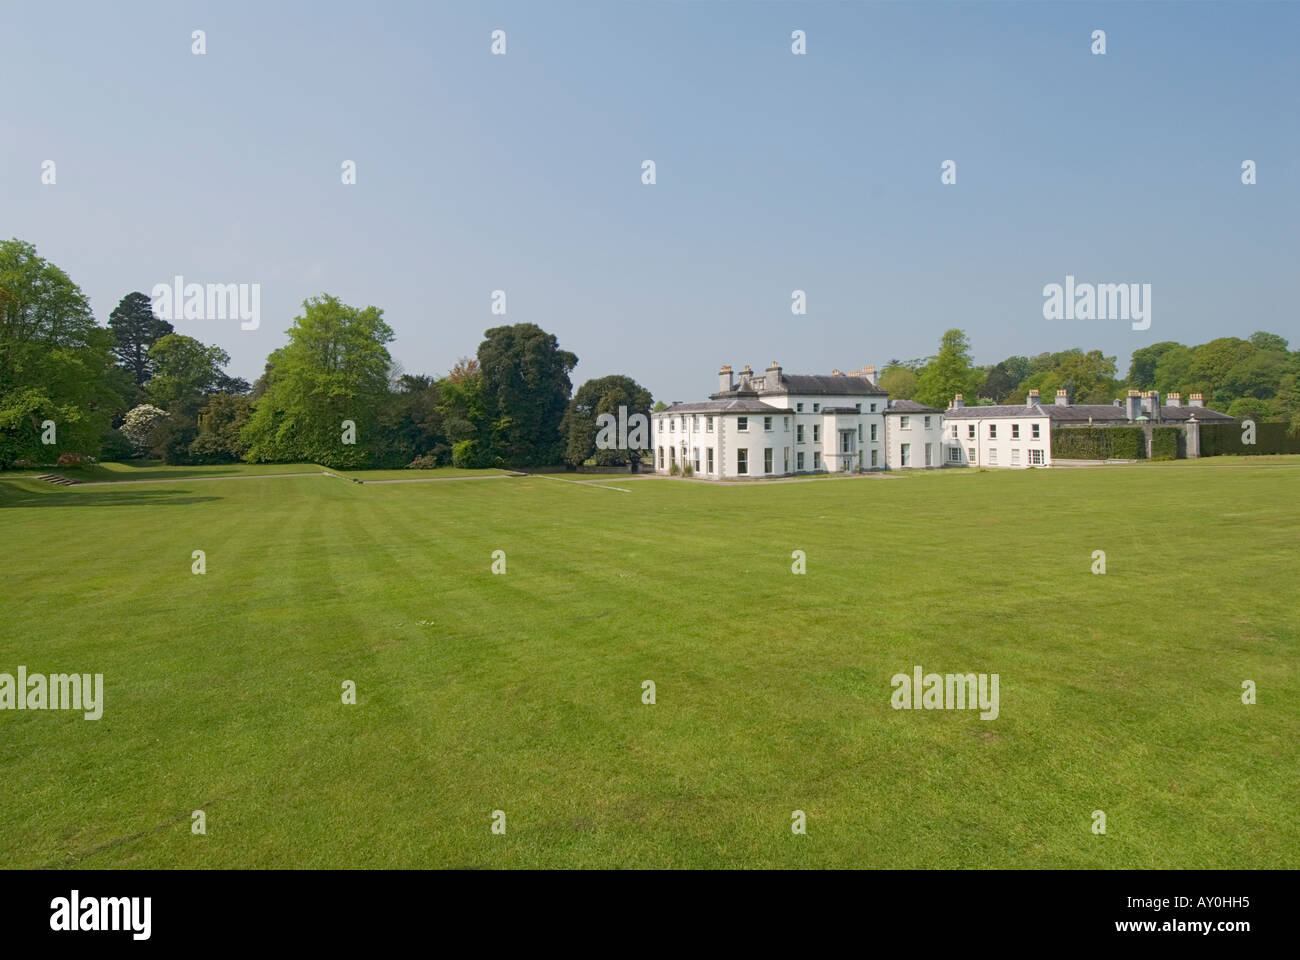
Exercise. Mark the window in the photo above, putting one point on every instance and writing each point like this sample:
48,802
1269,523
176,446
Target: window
1015,456
787,460
904,423
993,431
1036,458
695,424
1033,432
817,460
846,442
672,456
798,408
927,423
767,459
661,424
929,457
708,424
742,461
970,431
672,425
907,455
954,431
873,408
742,424
970,451
661,451
817,433
708,452
875,458
873,433
1015,431
857,407
859,433
798,433
954,454
786,422
798,460
993,455
695,459
767,424
816,407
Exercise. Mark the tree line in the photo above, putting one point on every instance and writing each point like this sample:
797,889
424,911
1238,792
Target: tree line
334,395
1257,377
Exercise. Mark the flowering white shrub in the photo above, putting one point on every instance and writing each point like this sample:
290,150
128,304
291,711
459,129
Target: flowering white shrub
141,426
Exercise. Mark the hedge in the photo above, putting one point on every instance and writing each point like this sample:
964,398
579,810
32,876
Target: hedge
1220,438
1099,443
1164,443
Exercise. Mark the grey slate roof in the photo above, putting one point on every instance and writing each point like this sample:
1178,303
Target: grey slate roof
741,405
830,385
910,406
1080,412
816,385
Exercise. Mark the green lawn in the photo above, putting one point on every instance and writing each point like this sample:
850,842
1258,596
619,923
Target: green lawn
522,692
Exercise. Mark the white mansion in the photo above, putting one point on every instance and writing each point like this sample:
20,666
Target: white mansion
777,424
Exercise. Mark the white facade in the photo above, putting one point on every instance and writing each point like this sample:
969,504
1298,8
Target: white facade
914,438
1014,442
778,425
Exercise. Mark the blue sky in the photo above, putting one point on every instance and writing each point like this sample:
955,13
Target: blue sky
775,172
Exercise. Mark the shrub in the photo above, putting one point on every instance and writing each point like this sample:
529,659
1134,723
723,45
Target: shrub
1164,443
114,445
1099,443
1220,438
674,470
468,455
688,470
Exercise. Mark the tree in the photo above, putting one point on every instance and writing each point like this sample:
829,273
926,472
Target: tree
185,371
411,424
1172,369
135,330
999,384
333,369
55,362
602,395
898,381
1270,342
220,423
526,391
1086,377
949,373
1142,366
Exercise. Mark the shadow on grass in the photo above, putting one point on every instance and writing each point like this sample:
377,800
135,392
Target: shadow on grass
106,498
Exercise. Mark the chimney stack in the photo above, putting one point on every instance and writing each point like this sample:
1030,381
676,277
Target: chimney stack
1174,400
957,401
1133,405
745,375
725,382
870,373
1151,405
772,377
1033,398
1196,400
1062,398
